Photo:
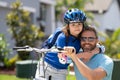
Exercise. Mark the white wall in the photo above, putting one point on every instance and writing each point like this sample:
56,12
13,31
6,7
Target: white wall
111,19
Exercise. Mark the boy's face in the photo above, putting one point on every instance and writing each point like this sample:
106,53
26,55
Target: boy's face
88,40
75,28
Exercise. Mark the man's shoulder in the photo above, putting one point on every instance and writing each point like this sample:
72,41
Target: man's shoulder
103,56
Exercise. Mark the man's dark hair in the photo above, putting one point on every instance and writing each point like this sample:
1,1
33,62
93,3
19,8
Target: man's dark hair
90,28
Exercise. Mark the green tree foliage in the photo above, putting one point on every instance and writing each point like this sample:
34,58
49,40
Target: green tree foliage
112,43
3,51
21,27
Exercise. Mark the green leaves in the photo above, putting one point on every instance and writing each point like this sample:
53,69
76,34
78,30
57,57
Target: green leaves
116,35
3,48
112,43
21,27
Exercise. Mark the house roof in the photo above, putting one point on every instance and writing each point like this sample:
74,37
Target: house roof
98,6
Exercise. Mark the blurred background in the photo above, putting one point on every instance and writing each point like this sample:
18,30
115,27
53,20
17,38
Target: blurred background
30,22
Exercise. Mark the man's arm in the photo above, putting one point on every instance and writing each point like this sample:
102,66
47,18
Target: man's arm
96,74
87,55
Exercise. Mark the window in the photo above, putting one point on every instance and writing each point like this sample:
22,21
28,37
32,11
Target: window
43,10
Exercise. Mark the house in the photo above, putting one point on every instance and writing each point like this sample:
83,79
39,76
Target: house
106,13
42,15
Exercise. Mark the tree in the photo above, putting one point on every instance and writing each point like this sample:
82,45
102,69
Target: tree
112,43
23,31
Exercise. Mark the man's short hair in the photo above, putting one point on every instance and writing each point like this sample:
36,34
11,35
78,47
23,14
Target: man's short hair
90,28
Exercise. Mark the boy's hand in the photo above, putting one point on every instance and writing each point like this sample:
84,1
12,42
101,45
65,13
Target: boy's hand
69,51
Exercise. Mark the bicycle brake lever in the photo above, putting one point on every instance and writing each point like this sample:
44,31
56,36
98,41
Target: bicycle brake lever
25,48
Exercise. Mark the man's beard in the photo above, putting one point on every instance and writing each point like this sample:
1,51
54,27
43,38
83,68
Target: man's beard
89,47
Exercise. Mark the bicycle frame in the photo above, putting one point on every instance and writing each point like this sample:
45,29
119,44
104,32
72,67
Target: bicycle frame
40,51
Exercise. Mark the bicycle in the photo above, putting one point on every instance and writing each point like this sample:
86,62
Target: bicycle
42,53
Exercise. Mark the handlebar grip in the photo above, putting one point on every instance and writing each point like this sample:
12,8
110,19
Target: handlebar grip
15,48
60,49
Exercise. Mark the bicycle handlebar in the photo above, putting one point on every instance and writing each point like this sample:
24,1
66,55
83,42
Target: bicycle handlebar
62,60
28,48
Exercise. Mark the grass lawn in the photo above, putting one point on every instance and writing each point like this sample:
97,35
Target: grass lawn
71,77
13,77
9,77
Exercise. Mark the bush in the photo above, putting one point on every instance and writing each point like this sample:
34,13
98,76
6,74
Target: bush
112,43
22,29
3,51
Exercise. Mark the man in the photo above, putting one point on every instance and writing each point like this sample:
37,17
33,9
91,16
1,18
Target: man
98,67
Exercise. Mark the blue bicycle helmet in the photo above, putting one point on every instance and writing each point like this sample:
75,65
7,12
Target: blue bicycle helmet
74,15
